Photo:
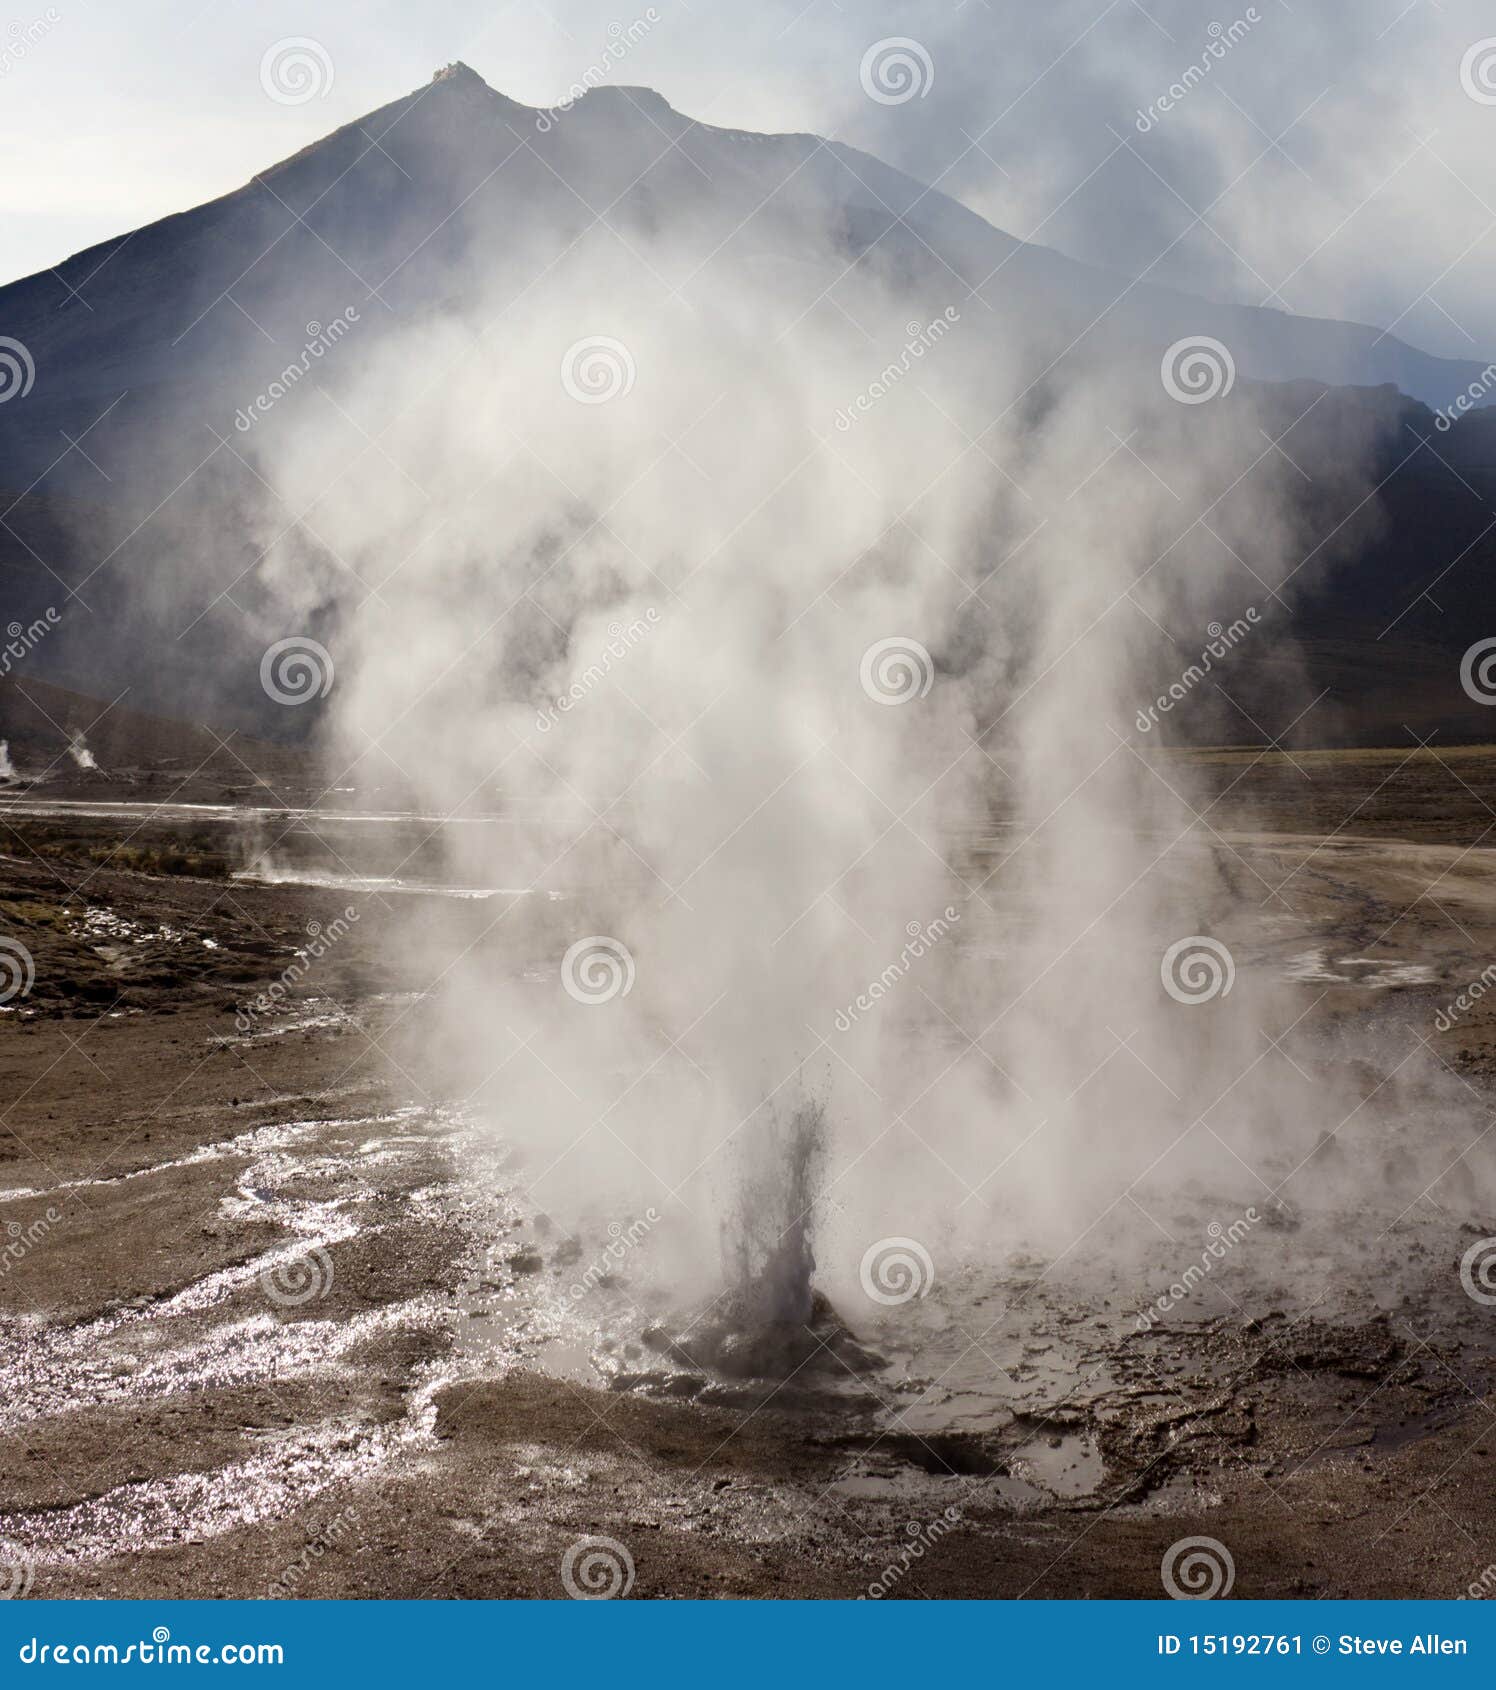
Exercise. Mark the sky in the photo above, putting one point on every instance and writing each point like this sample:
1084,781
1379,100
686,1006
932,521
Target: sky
1330,160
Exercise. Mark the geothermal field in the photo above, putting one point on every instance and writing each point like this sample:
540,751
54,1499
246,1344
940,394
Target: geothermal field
277,1289
716,884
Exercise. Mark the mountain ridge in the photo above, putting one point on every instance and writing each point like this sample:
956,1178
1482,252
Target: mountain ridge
453,196
455,125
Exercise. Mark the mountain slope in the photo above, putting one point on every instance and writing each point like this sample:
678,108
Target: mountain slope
456,185
149,347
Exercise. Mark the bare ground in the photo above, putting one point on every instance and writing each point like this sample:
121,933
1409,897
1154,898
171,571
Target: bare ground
169,1428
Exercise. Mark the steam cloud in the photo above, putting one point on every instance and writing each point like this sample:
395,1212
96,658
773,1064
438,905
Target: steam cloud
747,831
890,672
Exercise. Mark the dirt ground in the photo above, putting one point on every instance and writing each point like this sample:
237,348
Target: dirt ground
243,1254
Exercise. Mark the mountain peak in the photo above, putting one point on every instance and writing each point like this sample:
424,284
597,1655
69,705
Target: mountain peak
635,93
461,74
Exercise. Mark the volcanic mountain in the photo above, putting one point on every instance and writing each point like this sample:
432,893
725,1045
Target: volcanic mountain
394,210
141,353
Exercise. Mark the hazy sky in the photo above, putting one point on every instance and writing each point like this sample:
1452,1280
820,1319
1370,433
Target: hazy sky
1332,160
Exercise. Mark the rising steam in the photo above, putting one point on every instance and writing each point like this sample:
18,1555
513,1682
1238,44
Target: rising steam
890,671
79,752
